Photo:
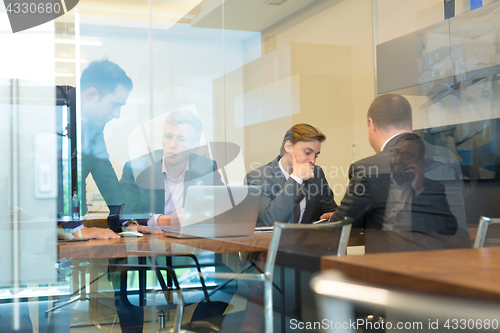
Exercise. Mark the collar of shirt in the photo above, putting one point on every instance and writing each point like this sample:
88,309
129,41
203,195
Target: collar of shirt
283,169
393,181
297,179
392,137
181,176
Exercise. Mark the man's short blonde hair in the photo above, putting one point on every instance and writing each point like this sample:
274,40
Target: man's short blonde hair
301,132
185,117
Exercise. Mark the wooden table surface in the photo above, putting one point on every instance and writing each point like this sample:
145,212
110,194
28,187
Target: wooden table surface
161,245
471,273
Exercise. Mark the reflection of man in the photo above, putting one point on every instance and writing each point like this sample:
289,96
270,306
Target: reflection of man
162,186
388,191
104,88
414,203
295,190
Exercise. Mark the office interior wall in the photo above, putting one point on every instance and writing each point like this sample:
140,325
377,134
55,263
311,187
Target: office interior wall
184,61
477,36
326,48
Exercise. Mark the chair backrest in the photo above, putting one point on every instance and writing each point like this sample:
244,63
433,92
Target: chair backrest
488,232
293,240
339,298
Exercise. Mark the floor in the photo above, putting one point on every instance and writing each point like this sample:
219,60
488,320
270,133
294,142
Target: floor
79,318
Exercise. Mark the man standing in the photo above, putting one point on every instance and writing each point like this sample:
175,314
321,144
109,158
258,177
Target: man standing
295,190
104,89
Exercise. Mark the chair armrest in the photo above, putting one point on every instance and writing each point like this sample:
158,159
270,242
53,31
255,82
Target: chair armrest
236,276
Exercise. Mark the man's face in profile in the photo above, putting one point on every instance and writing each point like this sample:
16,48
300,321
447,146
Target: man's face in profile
178,142
403,155
101,110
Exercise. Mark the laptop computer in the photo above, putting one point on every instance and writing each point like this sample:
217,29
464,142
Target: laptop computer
218,211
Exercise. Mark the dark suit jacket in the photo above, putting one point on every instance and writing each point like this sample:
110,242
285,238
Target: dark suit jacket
95,161
366,197
281,195
149,181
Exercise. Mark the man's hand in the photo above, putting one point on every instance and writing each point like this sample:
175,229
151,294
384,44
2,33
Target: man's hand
326,216
173,219
304,171
97,233
144,230
418,177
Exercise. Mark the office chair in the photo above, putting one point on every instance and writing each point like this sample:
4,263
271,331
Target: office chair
338,298
488,232
123,269
288,241
77,270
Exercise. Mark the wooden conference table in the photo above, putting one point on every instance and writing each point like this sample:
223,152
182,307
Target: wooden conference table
159,245
472,273
153,245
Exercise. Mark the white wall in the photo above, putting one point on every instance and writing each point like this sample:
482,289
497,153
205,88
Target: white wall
184,63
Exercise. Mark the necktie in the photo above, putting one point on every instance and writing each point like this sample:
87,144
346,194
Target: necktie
296,206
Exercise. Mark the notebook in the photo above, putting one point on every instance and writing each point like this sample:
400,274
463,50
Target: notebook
218,211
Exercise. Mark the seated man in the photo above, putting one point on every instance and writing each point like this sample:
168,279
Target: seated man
157,183
159,180
295,190
388,193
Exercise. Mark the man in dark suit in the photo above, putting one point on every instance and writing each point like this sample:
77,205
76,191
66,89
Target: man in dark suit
159,180
157,183
389,191
295,190
104,89
403,200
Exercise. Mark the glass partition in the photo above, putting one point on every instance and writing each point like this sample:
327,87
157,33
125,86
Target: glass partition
138,103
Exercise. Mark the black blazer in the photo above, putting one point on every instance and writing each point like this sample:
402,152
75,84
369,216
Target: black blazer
281,195
366,197
150,181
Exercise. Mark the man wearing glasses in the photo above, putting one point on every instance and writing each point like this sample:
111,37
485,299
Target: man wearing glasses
389,191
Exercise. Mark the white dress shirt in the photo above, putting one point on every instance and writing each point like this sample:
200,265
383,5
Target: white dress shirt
397,216
174,193
392,137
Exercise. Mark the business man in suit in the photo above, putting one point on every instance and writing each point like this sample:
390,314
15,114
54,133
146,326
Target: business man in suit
389,191
104,89
403,200
295,189
159,181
